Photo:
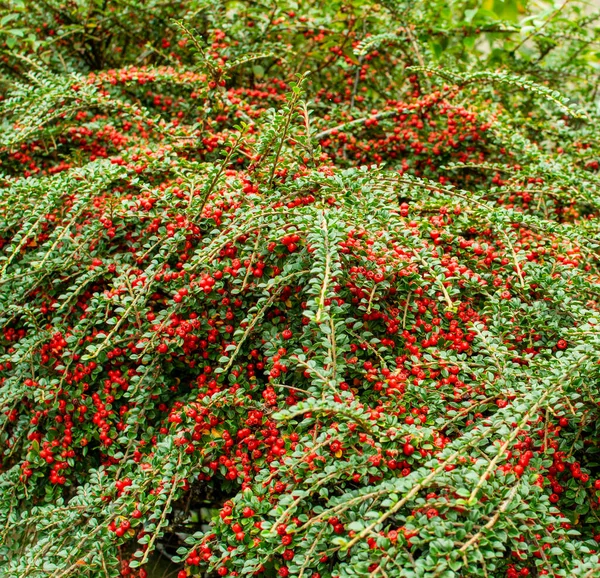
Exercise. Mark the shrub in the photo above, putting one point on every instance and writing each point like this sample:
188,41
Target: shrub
299,290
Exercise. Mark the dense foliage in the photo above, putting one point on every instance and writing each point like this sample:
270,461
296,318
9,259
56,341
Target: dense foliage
299,288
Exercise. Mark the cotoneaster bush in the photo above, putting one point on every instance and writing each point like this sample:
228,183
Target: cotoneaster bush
294,289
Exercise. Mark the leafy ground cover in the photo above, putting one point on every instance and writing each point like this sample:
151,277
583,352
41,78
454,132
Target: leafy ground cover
299,289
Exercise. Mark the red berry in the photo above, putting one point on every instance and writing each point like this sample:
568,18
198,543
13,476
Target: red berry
408,449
